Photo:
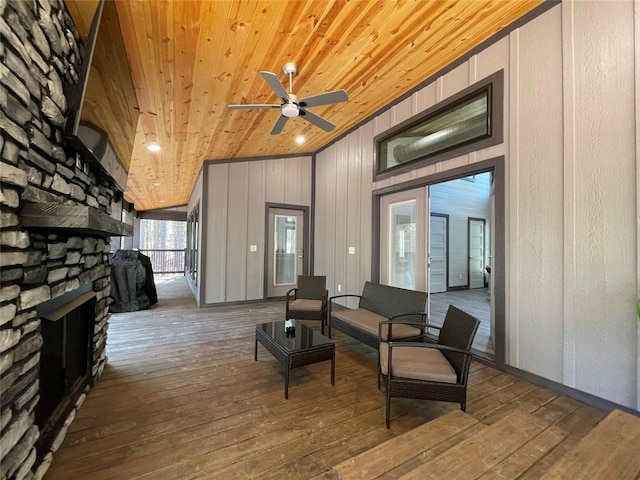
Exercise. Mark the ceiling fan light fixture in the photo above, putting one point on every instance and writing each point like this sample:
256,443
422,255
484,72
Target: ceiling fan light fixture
290,107
290,110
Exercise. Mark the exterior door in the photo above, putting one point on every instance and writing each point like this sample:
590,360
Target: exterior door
403,235
476,228
285,247
438,251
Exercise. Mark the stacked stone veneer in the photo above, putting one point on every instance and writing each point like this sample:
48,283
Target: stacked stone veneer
40,51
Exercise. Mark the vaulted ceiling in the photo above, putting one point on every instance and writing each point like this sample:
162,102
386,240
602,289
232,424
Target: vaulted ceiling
189,59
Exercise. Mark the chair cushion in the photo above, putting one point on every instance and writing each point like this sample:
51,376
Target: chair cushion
304,304
418,363
369,322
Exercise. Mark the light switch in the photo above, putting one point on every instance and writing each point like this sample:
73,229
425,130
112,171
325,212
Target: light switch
352,250
253,248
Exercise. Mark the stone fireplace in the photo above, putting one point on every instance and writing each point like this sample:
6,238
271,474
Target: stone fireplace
55,275
65,359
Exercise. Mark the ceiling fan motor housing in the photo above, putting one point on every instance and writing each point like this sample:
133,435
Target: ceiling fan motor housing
290,110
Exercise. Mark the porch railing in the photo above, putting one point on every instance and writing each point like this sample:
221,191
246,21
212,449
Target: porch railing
166,261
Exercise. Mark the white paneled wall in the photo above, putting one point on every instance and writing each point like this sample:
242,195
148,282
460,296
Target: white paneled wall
572,201
536,192
343,212
600,214
237,196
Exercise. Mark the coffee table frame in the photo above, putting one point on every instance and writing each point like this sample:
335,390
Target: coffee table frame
296,358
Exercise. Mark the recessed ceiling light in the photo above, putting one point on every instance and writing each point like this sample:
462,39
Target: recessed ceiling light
300,139
153,147
157,184
161,201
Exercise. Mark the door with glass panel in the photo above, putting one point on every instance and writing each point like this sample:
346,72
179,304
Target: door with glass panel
285,250
403,233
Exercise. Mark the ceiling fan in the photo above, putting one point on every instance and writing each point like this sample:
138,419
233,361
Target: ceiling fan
291,106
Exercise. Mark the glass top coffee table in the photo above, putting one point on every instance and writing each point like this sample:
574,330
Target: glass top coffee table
303,348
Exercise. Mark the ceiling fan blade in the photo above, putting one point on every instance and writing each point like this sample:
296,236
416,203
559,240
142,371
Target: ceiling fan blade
336,96
254,105
275,85
317,120
279,125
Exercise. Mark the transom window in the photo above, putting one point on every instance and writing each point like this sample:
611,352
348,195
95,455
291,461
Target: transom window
458,125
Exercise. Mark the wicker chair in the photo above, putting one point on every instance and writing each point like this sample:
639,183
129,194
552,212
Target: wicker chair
429,371
308,301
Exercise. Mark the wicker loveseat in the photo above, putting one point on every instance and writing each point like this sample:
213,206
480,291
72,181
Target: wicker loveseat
378,303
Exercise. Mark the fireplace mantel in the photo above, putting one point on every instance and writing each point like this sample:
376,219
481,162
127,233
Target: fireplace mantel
76,219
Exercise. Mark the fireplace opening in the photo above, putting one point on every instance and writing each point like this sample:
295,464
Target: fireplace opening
65,362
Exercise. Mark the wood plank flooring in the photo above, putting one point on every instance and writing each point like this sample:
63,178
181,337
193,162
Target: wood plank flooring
476,302
182,398
458,446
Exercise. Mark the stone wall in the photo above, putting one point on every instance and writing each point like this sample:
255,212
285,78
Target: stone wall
39,52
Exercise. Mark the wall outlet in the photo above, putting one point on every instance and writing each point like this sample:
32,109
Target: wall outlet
253,248
339,288
460,276
352,250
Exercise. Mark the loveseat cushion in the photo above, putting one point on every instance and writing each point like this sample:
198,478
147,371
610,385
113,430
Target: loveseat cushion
418,363
369,322
307,305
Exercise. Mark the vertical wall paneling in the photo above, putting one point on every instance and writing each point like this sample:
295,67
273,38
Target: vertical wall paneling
512,212
290,191
237,194
319,266
490,60
493,59
331,253
196,194
472,72
312,216
255,231
352,208
382,122
203,240
216,233
365,134
539,180
340,213
605,207
306,177
439,89
425,98
402,111
274,188
570,320
454,81
237,223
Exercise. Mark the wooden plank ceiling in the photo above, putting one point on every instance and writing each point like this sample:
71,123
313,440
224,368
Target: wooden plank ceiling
189,59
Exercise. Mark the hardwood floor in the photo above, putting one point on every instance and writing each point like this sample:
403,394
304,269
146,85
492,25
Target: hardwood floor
477,303
182,398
